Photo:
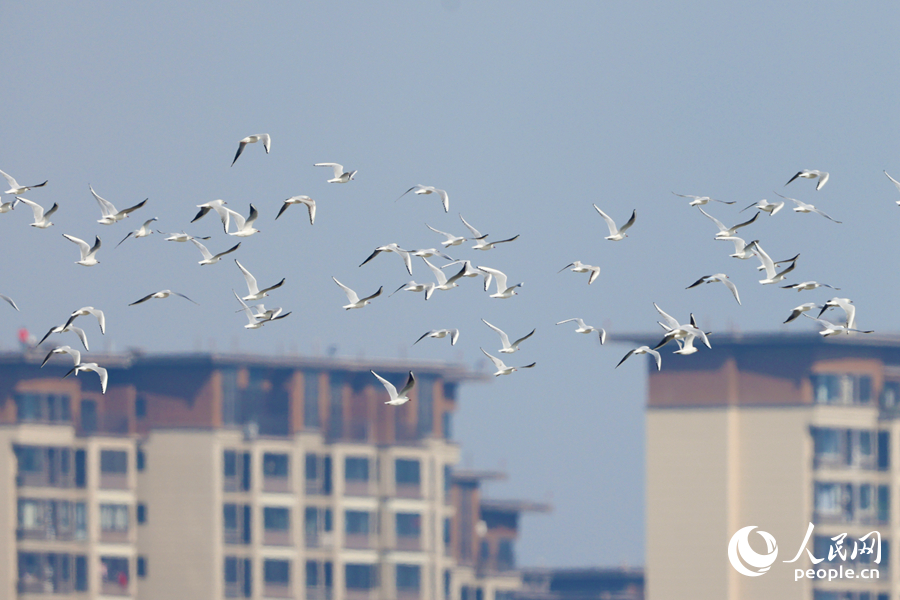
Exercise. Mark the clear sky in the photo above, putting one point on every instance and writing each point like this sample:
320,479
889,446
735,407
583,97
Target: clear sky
526,113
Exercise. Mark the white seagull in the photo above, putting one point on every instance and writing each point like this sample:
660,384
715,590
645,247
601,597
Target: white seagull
16,188
832,329
219,207
742,249
89,310
355,301
845,304
265,138
480,240
808,285
41,218
453,240
5,207
502,369
428,189
162,294
110,213
807,174
897,183
503,290
63,329
253,288
796,312
392,247
10,300
720,277
261,316
243,227
396,399
340,176
443,282
412,286
771,275
701,200
88,253
803,207
727,231
143,231
440,333
616,233
677,331
580,267
643,350
766,206
508,347
75,354
92,367
305,200
583,328
180,237
208,257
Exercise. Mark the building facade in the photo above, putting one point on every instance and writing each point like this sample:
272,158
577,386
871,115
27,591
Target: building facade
794,435
205,476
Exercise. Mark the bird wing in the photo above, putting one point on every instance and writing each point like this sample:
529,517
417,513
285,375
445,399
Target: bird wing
202,212
101,318
81,335
144,299
823,178
203,250
424,335
630,222
410,382
239,150
95,247
46,335
266,140
512,239
497,362
82,245
799,173
250,279
253,318
375,295
897,183
728,283
351,295
718,223
658,358
624,358
375,253
475,233
454,335
106,207
12,182
445,200
745,223
523,338
185,297
274,287
609,222
131,209
698,282
254,214
670,321
816,210
36,208
766,261
438,274
504,339
500,276
130,233
338,169
406,259
10,300
391,390
238,217
284,207
567,320
229,251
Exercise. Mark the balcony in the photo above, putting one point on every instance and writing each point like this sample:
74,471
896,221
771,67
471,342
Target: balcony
408,490
113,481
409,543
318,593
277,590
277,537
114,536
278,485
408,594
358,541
320,540
114,588
360,594
356,487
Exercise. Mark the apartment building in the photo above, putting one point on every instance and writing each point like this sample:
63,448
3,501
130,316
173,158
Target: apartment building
792,434
206,476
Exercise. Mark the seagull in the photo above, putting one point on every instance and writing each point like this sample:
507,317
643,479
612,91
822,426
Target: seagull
89,310
355,301
75,354
427,189
219,207
846,304
480,241
720,277
392,247
616,233
796,312
208,258
396,399
94,367
897,183
644,350
243,227
769,266
580,267
701,200
41,218
806,174
443,282
808,285
803,207
440,333
15,188
766,206
502,369
180,237
269,314
727,231
309,202
686,344
428,253
470,271
832,329
412,286
87,252
5,207
255,322
742,249
676,331
255,293
508,348
252,139
453,240
582,328
162,294
110,213
10,300
63,329
144,231
503,291
340,176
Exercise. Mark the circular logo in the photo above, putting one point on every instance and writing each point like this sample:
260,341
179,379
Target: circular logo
740,552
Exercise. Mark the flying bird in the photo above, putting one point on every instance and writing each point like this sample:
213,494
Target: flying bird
806,174
616,233
243,227
701,200
397,398
306,200
89,310
742,249
88,253
258,319
66,328
442,281
208,257
643,350
796,312
766,206
110,213
340,176
502,369
508,347
583,328
162,294
830,328
412,286
453,240
252,139
897,183
771,275
727,231
16,188
440,333
355,301
845,304
10,300
41,218
427,189
75,354
503,290
580,267
392,247
481,242
718,277
180,237
803,207
143,231
254,292
808,285
91,367
219,207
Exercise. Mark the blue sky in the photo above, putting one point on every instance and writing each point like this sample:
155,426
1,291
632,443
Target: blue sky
527,113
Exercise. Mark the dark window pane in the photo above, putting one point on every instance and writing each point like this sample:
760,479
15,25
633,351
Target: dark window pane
356,469
113,461
277,518
408,577
407,471
275,465
277,571
357,521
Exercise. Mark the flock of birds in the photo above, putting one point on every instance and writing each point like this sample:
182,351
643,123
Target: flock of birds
445,277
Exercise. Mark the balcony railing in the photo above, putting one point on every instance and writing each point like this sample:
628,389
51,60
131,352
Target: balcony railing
408,490
275,484
319,540
114,588
114,536
113,481
355,487
318,593
408,594
360,594
277,590
358,541
277,537
409,543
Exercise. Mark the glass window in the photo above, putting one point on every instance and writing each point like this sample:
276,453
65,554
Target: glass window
311,400
311,467
230,513
275,465
828,498
826,441
506,560
31,459
141,567
114,517
409,524
28,407
408,577
356,468
447,530
141,459
865,497
277,571
142,513
884,450
425,405
407,471
277,518
113,461
357,521
229,463
312,573
865,443
884,503
361,577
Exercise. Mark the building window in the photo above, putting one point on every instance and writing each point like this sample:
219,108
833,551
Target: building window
408,530
140,407
42,573
317,473
842,388
884,450
447,424
44,466
884,504
50,520
114,575
43,408
141,513
407,472
317,526
447,533
425,405
356,468
238,577
114,522
357,526
141,459
311,418
277,576
276,473
236,523
142,567
113,469
277,524
236,471
361,577
409,578
506,559
336,411
318,577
